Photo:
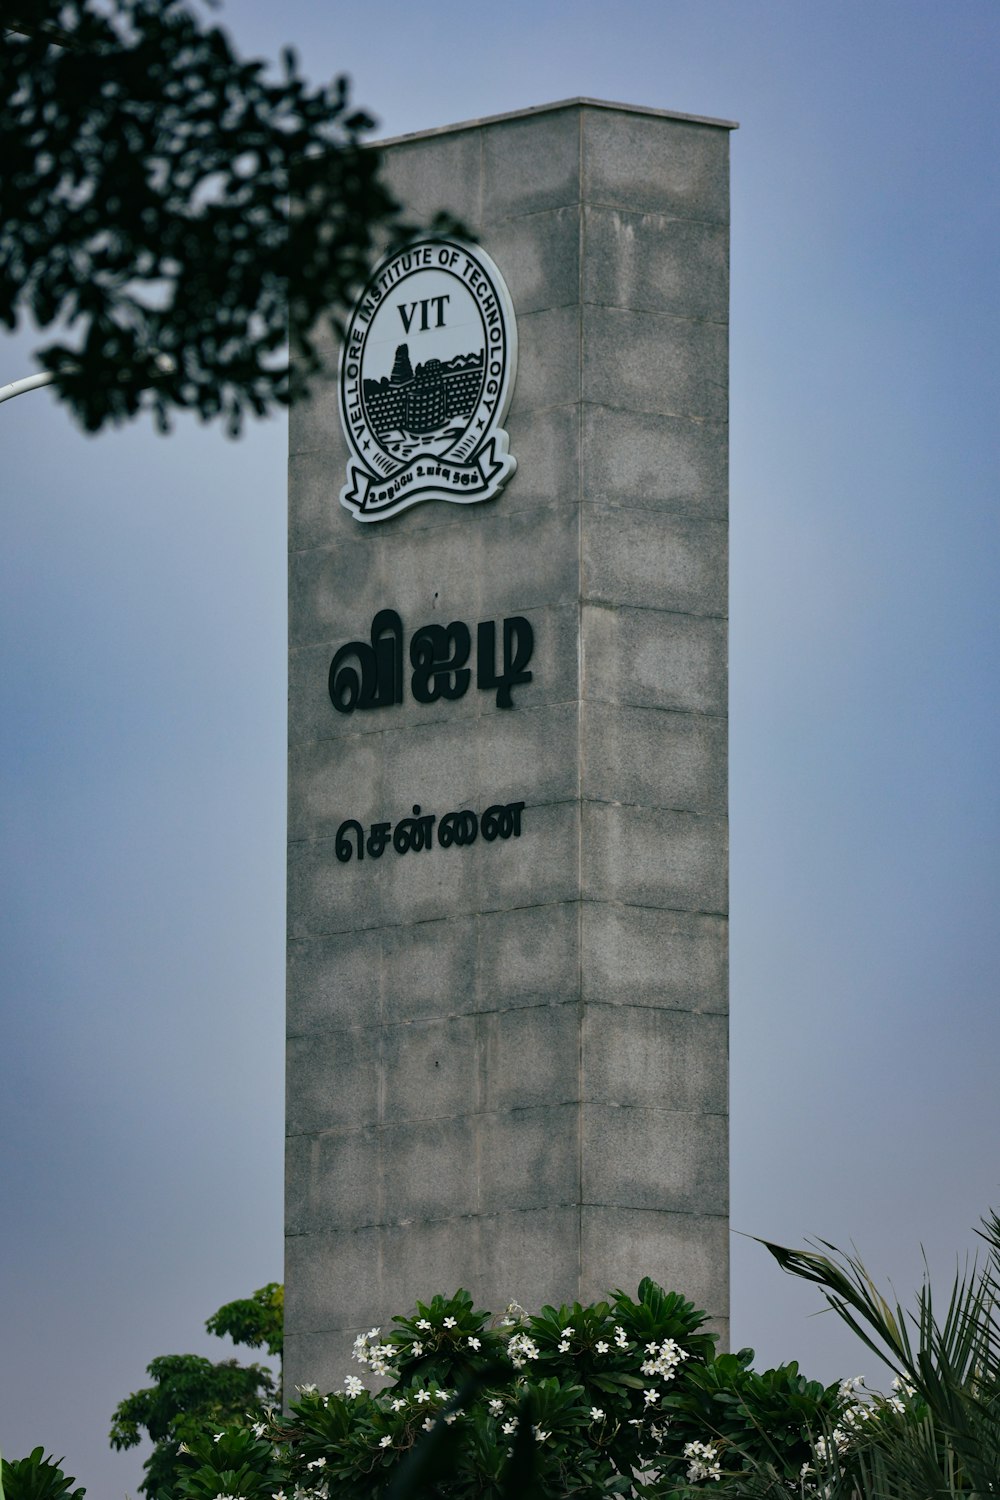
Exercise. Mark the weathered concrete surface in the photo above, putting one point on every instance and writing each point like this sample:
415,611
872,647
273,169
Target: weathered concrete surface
507,1063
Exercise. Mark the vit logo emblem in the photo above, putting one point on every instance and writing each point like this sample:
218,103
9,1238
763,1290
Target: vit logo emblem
426,376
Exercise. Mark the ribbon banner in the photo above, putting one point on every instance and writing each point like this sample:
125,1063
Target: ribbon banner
427,477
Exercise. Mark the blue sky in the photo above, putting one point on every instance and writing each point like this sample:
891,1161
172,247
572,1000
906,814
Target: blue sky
142,704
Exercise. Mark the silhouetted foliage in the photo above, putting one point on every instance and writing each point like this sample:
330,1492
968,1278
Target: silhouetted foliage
37,1478
146,186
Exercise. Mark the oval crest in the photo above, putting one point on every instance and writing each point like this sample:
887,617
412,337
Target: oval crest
426,375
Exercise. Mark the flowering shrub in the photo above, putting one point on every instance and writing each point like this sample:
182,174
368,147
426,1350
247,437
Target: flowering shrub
614,1398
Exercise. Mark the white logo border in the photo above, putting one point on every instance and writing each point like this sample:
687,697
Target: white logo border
488,466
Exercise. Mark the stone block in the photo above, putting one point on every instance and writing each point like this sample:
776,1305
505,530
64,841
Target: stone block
444,1255
686,1253
539,258
529,560
299,1151
654,857
330,780
638,1057
347,1187
335,983
326,585
497,563
333,1280
530,1056
429,969
659,1159
656,263
655,659
333,1080
545,443
530,755
529,955
326,897
437,173
431,1170
654,758
321,1359
537,868
314,425
435,765
637,955
531,164
652,559
314,484
540,868
529,1158
530,1257
650,165
654,461
655,362
431,1069
548,360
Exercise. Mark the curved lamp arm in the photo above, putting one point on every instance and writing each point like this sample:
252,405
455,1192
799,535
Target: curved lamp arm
29,383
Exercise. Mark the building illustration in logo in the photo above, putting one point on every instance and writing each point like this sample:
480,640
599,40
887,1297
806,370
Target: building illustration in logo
426,376
423,401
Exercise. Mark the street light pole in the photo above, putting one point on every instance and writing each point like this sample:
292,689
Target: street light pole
29,383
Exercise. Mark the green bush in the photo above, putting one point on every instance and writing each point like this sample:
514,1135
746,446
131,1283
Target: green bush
37,1478
619,1397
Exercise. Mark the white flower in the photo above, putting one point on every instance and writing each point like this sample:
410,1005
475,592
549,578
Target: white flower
452,1416
664,1359
509,1426
473,1342
597,1414
428,1423
449,1322
564,1346
353,1385
398,1404
217,1436
423,1397
496,1405
601,1347
279,1495
703,1462
540,1434
521,1348
417,1349
183,1448
423,1325
568,1333
651,1397
317,1463
258,1429
385,1442
621,1338
373,1334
